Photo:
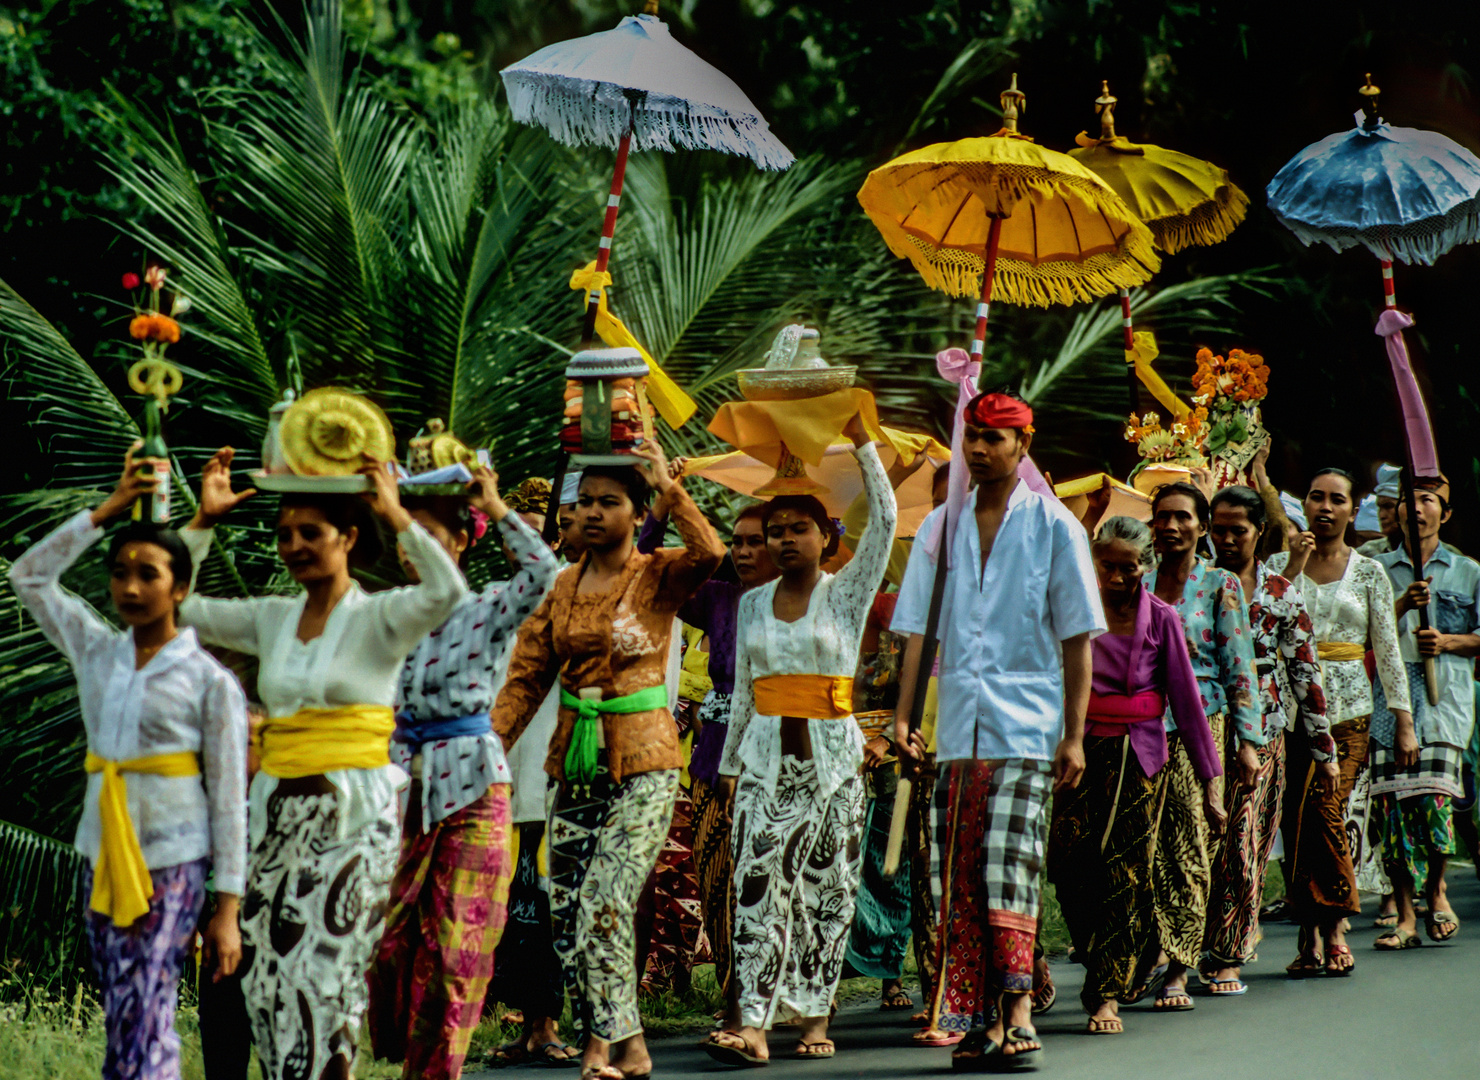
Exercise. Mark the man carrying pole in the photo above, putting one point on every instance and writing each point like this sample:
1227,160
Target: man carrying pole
1019,607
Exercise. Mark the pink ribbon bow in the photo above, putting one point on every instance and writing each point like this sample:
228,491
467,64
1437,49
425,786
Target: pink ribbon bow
955,366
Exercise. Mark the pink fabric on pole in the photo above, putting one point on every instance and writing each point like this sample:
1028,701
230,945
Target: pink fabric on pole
1390,326
955,366
1029,474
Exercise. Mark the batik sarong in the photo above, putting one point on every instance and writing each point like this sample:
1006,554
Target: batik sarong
994,830
1100,849
526,969
447,909
603,843
797,862
1182,866
881,917
1232,931
924,907
312,916
138,971
669,920
1320,882
715,870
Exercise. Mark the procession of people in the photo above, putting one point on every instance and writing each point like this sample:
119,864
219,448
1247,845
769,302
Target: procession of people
1138,710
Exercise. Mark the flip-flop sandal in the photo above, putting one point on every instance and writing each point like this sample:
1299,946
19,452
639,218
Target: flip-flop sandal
1169,994
1019,1060
739,1057
986,1051
1396,940
822,1048
1044,997
1304,967
1239,988
898,1001
935,1037
550,1055
1442,918
1150,986
594,1072
1336,952
1112,1026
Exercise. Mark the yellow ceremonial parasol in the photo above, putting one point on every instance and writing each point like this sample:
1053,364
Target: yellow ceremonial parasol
1183,200
1002,213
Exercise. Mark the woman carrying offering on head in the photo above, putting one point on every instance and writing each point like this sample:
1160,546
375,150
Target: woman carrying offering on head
1210,603
450,895
165,801
1350,602
603,631
1289,682
324,809
797,751
1104,831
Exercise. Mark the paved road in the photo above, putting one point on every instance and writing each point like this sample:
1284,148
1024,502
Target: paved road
1412,1015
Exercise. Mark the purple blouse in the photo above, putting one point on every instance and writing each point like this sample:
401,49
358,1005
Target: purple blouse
1154,657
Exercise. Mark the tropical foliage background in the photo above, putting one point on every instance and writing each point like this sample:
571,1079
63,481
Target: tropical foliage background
342,197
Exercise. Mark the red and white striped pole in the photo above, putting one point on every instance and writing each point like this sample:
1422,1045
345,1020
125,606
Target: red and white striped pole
1388,299
608,228
989,271
1132,381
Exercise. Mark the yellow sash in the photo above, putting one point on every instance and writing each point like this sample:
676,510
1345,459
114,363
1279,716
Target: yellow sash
315,741
1340,650
817,697
121,883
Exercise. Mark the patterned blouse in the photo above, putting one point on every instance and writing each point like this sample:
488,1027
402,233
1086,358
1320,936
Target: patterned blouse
1221,648
458,669
1356,608
1285,657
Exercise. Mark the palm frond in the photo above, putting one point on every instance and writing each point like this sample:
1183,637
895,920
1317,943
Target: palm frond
41,922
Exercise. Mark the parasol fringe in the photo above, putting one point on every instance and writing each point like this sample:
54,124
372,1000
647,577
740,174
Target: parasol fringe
1207,224
957,271
600,117
1421,243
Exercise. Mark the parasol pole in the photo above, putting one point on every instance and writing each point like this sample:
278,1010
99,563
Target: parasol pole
609,224
909,766
1132,380
1415,546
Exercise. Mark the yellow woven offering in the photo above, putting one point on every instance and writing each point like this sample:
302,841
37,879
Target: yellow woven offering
332,432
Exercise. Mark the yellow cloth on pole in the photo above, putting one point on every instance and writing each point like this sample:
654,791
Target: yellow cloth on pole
667,396
316,741
1140,357
121,883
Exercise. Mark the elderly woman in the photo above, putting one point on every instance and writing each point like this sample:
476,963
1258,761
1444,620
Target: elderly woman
1104,831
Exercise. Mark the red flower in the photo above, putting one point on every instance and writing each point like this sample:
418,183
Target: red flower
131,281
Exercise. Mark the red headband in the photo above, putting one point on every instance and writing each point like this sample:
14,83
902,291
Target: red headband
998,411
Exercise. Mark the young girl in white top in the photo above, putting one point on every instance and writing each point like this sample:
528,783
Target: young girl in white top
158,711
799,801
323,811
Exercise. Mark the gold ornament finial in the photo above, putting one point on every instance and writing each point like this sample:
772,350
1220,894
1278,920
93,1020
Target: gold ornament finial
1369,91
651,8
1105,109
1014,104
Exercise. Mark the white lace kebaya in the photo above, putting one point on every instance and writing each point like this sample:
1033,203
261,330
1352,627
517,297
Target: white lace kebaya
824,641
183,699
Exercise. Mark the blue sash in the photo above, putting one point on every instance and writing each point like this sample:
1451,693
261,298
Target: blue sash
413,733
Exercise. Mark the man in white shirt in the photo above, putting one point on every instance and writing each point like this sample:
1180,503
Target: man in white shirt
1019,607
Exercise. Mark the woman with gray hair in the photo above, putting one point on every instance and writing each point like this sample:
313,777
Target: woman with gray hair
1104,830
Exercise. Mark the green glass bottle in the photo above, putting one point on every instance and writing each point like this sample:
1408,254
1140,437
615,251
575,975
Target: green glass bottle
155,507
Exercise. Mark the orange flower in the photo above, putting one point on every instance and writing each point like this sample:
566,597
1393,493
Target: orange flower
152,327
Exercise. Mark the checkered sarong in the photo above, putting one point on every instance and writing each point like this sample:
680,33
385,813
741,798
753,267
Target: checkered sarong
1015,834
994,830
1437,771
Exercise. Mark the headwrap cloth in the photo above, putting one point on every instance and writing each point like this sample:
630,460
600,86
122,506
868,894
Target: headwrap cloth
998,411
